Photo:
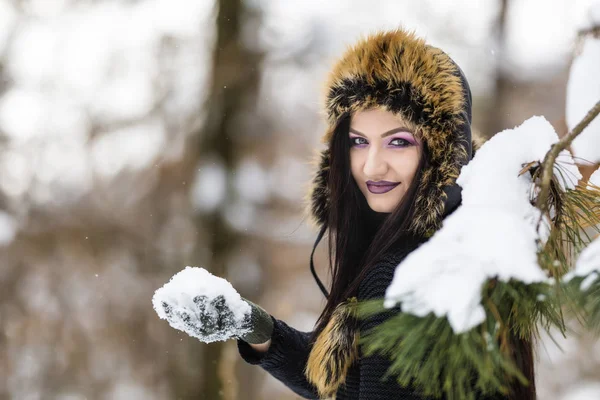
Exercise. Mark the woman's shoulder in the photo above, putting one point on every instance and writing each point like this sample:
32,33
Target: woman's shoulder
396,255
380,276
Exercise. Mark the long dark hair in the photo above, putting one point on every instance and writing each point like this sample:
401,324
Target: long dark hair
354,245
522,349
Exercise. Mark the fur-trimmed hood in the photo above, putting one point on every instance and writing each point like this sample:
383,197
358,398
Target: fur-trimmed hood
398,72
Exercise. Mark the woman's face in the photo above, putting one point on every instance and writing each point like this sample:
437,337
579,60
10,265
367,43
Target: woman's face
384,156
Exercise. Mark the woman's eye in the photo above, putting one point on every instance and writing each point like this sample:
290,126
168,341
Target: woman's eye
357,141
400,142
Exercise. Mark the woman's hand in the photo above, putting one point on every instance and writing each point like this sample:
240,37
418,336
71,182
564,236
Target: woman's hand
213,319
208,307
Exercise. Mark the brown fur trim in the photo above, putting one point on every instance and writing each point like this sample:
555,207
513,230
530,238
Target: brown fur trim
431,198
316,201
477,140
334,351
397,71
415,80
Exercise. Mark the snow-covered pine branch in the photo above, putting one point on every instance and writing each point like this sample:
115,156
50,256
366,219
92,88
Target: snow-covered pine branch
548,163
459,290
585,282
491,235
585,278
582,109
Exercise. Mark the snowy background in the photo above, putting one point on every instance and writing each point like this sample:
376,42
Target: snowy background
131,145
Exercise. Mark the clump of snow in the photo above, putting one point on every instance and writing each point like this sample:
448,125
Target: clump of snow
492,234
583,92
445,275
202,305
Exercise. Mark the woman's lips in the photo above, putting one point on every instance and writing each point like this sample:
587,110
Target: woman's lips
379,188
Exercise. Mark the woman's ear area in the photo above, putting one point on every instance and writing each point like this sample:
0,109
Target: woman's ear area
316,199
477,140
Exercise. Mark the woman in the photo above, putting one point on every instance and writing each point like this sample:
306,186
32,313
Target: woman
399,115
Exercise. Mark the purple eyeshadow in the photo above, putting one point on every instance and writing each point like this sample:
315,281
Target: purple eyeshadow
409,138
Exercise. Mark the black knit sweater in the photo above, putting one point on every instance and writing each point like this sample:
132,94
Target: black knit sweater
288,353
289,350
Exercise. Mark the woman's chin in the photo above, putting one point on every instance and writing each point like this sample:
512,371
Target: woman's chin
381,205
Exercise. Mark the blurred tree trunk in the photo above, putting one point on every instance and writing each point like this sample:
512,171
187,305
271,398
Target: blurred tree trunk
235,78
517,99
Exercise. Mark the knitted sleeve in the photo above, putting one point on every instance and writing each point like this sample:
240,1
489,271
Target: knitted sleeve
286,358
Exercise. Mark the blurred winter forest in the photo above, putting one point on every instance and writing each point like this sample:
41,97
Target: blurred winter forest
141,136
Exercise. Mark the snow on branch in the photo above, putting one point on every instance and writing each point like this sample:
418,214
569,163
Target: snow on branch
491,235
548,165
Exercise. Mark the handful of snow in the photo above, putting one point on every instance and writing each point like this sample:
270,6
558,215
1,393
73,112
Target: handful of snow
202,305
492,234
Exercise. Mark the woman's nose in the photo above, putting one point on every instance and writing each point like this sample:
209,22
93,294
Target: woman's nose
375,165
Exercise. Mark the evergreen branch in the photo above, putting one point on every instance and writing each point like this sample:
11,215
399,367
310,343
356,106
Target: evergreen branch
428,355
593,306
586,297
550,159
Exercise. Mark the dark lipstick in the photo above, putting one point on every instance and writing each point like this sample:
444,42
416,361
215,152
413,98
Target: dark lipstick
380,187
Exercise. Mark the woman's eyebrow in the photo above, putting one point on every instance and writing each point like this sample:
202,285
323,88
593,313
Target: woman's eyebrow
384,134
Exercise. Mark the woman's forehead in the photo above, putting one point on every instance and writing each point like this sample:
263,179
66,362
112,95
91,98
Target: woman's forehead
379,120
379,115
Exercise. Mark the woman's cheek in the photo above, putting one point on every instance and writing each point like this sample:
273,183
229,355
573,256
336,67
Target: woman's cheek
355,166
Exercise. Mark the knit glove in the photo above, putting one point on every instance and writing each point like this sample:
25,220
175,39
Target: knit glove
259,323
203,312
